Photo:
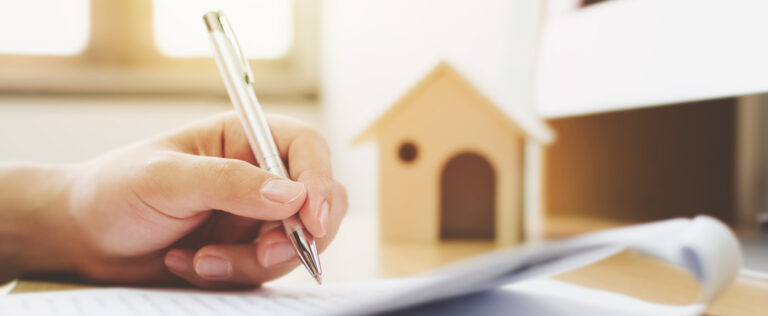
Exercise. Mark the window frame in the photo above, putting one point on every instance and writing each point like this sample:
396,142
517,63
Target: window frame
121,57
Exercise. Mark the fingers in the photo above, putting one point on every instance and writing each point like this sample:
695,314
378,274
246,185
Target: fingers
183,185
181,263
306,151
315,212
241,265
309,161
336,215
227,266
322,208
218,136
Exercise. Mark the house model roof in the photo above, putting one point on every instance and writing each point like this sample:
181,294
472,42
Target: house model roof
526,122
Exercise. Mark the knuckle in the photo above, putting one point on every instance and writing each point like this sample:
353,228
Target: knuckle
341,195
303,129
328,186
282,119
156,164
311,136
156,167
319,139
314,134
230,118
318,183
322,183
225,117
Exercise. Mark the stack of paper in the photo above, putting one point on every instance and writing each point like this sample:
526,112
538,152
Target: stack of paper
507,282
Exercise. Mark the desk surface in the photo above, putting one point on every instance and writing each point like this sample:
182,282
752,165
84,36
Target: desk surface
626,273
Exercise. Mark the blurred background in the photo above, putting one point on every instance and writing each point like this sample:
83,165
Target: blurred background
658,106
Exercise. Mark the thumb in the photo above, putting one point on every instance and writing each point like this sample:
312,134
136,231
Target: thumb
183,185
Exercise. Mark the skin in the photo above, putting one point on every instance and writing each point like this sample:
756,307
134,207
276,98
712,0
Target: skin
162,210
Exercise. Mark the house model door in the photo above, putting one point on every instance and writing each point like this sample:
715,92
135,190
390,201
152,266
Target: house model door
467,198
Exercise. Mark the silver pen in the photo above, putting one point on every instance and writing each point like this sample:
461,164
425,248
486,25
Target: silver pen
238,78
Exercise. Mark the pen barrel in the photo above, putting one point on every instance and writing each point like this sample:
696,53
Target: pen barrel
238,79
247,105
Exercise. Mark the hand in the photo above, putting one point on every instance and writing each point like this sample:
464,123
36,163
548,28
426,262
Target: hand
192,205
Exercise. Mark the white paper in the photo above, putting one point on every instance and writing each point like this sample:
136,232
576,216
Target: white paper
545,297
703,246
297,300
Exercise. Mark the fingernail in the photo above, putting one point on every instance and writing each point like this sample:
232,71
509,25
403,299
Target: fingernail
211,267
278,253
281,191
322,216
176,262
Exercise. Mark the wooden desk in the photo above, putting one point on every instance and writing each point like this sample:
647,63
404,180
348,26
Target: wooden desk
627,273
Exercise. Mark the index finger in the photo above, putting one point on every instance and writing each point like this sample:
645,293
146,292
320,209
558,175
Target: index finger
223,136
303,148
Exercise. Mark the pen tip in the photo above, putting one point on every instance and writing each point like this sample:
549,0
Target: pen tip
319,279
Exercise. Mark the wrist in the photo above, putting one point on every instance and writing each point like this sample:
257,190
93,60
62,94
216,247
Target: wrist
36,229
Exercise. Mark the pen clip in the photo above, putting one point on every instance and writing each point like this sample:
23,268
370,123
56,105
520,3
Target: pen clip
230,34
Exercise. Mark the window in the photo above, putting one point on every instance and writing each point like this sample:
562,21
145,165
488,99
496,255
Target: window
408,152
264,27
153,46
57,27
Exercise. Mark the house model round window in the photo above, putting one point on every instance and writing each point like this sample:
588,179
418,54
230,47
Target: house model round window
408,152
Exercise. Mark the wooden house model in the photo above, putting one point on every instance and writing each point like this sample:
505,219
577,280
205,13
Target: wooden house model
452,164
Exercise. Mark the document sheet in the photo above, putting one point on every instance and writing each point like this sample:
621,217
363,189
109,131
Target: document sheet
510,282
